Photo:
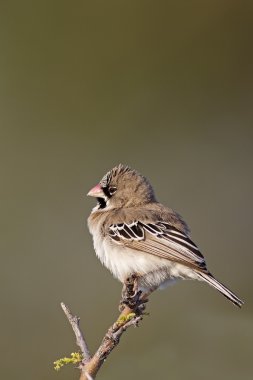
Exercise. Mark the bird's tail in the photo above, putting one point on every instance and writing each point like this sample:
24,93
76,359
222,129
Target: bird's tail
208,277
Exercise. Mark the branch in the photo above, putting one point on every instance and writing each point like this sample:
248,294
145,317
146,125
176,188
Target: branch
80,341
131,315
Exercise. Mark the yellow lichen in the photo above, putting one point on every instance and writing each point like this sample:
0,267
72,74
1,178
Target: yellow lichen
76,357
125,318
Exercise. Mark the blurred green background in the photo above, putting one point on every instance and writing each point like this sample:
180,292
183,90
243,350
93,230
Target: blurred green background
166,87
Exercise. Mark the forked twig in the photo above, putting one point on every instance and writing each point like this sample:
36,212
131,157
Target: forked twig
130,316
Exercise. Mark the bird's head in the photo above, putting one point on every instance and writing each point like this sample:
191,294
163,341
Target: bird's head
122,187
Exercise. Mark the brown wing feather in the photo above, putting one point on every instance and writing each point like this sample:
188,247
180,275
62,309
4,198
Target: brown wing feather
159,239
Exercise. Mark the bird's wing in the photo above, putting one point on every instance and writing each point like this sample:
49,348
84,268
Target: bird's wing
160,239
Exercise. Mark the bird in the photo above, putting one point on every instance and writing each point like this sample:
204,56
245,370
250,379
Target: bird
135,235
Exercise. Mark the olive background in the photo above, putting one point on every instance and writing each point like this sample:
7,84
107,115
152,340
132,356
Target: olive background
166,87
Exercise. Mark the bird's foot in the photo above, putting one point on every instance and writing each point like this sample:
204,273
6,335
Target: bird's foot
132,297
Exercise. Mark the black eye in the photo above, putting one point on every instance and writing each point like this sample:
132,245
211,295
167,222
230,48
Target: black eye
112,190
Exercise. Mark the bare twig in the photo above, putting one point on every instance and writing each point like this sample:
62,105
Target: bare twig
80,341
90,365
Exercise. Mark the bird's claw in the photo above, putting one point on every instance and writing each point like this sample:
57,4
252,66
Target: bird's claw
132,297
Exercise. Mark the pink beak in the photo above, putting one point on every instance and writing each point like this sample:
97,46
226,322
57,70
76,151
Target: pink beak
96,192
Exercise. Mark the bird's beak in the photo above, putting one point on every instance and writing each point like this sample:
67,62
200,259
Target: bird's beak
96,192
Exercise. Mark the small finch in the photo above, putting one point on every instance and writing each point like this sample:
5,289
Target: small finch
135,235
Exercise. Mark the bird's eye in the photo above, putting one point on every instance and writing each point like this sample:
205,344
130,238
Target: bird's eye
112,190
